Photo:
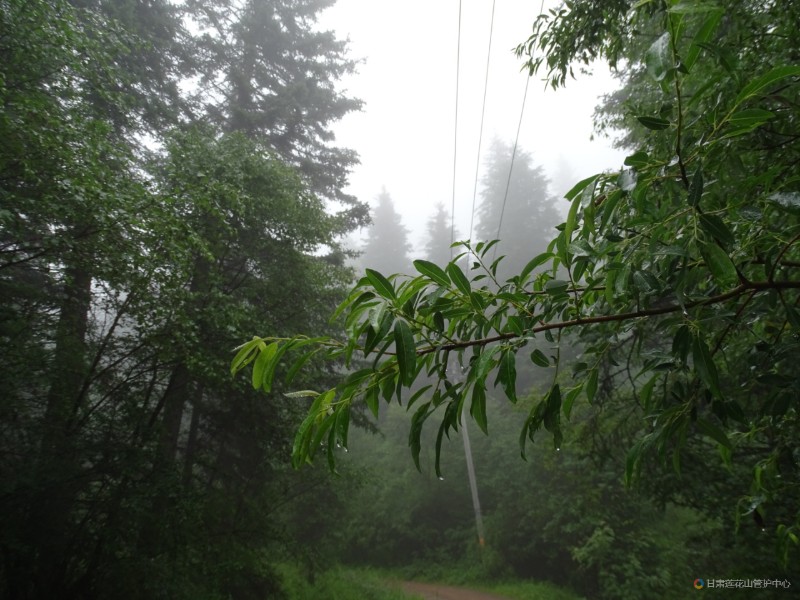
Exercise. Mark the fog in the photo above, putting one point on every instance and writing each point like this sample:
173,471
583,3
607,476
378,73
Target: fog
206,392
407,80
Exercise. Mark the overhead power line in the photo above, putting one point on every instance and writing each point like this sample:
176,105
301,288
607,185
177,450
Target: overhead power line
455,136
513,154
483,112
511,166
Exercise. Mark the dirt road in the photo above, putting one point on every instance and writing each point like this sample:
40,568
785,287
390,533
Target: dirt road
431,591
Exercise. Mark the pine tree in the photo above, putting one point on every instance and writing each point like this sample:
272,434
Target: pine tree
386,249
439,235
528,217
269,73
126,277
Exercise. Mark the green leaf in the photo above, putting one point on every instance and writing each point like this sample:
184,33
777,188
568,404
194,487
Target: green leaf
658,58
260,366
432,271
719,263
766,80
552,414
716,228
382,285
580,186
572,219
714,433
704,366
637,160
406,352
376,336
477,408
537,261
696,188
556,286
246,353
538,358
458,278
653,123
417,395
569,399
352,302
485,363
298,364
342,425
415,432
703,35
507,374
303,448
621,283
692,7
269,373
591,385
372,400
750,118
681,343
646,392
488,247
302,394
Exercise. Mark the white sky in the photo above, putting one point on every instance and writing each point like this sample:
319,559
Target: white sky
405,133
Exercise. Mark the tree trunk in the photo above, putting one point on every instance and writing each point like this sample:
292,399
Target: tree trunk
59,467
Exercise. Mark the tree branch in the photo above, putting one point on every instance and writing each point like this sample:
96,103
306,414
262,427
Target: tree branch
755,286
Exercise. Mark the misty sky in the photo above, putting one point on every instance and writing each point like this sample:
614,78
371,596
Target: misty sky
405,133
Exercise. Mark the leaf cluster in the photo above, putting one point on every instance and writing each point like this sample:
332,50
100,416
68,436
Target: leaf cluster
687,257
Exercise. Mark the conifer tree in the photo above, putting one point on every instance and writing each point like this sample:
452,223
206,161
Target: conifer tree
386,249
528,214
439,236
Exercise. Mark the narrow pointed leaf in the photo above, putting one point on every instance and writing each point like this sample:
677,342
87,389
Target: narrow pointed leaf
432,271
477,408
459,279
654,123
704,366
406,351
719,263
714,432
382,285
766,80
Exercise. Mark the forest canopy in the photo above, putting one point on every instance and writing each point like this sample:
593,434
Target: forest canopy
676,277
170,185
167,172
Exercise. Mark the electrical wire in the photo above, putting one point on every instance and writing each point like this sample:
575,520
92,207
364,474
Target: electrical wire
455,137
483,112
513,154
511,167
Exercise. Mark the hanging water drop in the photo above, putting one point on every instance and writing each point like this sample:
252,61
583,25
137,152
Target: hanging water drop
558,449
441,478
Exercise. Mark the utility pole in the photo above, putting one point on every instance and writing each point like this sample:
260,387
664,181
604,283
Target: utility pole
456,375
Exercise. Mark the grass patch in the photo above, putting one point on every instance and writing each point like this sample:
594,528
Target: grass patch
531,590
338,584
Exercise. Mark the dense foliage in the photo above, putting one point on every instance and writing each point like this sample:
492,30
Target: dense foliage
145,228
678,275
